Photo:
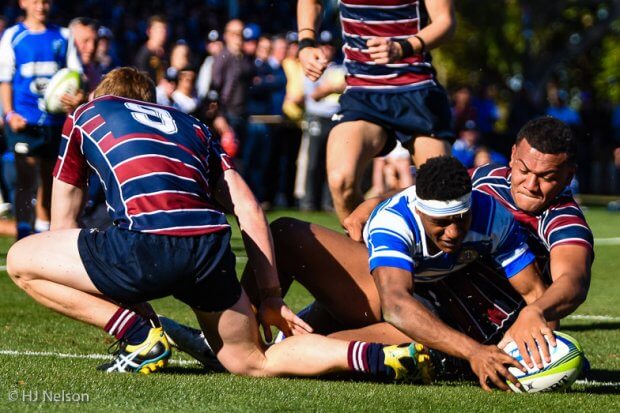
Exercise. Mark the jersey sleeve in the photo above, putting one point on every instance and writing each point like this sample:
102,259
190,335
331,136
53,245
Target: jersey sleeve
389,241
71,166
564,225
217,159
7,62
510,249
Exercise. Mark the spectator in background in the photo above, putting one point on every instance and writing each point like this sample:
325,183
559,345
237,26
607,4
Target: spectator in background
152,56
180,58
104,55
294,98
487,111
321,102
462,108
231,80
258,148
84,36
468,150
213,46
184,97
287,135
32,134
251,34
464,148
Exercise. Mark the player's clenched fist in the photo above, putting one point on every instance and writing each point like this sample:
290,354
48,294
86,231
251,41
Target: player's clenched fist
383,50
313,62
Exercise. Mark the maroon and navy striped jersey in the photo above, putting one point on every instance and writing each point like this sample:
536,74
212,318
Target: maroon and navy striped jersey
158,166
396,19
560,224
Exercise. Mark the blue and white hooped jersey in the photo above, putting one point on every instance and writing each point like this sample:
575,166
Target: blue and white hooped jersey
395,237
28,60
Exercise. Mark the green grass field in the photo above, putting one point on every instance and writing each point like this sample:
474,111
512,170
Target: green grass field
44,354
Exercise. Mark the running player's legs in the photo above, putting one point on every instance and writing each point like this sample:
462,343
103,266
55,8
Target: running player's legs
234,337
332,267
55,276
44,193
425,147
25,192
350,148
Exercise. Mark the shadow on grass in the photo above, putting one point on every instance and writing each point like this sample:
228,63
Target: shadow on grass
603,382
592,326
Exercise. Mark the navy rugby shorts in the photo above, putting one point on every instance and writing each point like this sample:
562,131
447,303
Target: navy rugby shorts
34,140
132,267
404,114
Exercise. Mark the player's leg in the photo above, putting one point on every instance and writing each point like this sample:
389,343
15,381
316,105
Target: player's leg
327,263
233,335
381,332
350,148
57,278
25,191
425,147
44,194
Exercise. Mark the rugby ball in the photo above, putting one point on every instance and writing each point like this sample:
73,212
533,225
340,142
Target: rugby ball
65,81
567,360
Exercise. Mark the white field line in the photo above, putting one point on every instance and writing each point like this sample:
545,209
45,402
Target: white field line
190,362
28,353
593,317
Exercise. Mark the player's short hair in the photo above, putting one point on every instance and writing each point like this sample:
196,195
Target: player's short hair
442,178
127,82
549,135
157,18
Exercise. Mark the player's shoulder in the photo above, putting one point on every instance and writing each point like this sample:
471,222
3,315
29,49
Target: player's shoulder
12,32
488,215
395,212
488,172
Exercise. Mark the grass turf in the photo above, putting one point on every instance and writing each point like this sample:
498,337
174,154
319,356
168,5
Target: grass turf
35,378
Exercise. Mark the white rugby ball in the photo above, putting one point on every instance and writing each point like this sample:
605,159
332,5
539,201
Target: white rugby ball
65,81
566,363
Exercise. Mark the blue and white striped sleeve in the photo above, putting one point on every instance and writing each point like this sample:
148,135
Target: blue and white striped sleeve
389,241
510,250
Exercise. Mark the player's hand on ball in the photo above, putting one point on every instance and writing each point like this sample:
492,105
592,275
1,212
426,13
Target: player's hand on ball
274,312
490,364
529,331
383,50
313,62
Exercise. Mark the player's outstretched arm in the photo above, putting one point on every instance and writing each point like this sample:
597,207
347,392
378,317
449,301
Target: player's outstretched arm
312,59
531,325
403,311
570,267
235,194
67,203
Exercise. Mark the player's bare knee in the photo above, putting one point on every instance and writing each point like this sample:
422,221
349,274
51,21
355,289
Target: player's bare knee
15,267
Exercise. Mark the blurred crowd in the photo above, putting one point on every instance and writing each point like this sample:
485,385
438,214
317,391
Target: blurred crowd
242,77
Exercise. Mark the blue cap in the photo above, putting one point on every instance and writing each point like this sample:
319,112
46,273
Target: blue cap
292,37
213,35
325,37
251,32
104,32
